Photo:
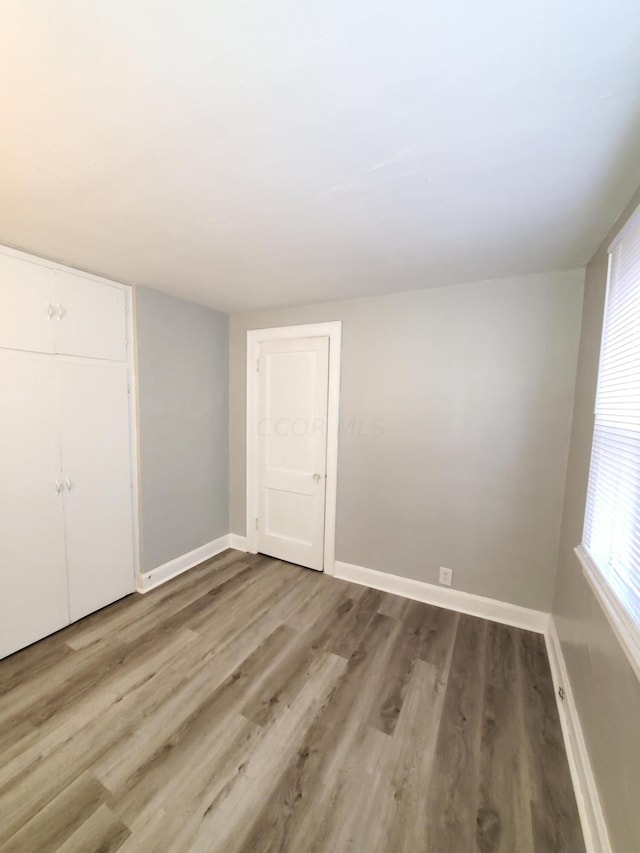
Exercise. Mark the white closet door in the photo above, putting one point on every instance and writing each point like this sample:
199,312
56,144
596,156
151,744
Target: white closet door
92,318
33,575
96,470
293,449
27,311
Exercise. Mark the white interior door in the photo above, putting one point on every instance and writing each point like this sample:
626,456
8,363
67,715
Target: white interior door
292,429
33,574
96,471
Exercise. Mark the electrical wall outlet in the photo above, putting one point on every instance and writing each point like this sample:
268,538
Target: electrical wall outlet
446,576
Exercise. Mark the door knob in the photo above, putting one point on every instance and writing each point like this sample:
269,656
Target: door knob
60,311
58,487
317,477
68,484
51,311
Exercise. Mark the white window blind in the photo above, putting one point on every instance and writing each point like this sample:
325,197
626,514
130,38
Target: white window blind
612,521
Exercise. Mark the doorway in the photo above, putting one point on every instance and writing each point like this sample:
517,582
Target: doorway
293,376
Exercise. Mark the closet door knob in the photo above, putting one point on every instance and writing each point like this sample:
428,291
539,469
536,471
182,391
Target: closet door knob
68,484
60,311
51,311
58,487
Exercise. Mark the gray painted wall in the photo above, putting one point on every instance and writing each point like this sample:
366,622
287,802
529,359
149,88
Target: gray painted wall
183,409
455,409
606,689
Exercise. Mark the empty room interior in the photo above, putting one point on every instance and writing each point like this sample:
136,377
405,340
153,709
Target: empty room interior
320,426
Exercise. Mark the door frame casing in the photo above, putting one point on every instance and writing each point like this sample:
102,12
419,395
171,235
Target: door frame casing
255,337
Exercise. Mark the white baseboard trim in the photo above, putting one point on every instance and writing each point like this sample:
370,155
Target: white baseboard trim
237,542
594,828
451,599
162,574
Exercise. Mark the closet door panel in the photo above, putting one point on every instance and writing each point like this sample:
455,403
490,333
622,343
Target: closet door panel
96,468
33,576
92,318
27,314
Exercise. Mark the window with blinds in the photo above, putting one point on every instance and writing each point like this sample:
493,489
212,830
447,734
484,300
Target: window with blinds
612,520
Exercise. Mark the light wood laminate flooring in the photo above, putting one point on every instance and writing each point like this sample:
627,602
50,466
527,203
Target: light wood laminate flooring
251,705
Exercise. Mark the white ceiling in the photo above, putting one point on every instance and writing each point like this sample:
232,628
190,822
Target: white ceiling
245,153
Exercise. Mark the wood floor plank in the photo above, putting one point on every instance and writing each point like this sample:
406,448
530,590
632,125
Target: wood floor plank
78,673
161,727
503,819
554,814
102,832
355,812
37,777
145,678
387,707
229,810
133,793
252,597
321,591
143,613
405,774
393,605
346,636
252,705
302,802
176,809
31,663
14,737
451,805
263,705
439,629
51,826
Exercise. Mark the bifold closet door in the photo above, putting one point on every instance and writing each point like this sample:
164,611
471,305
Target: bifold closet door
33,575
96,472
